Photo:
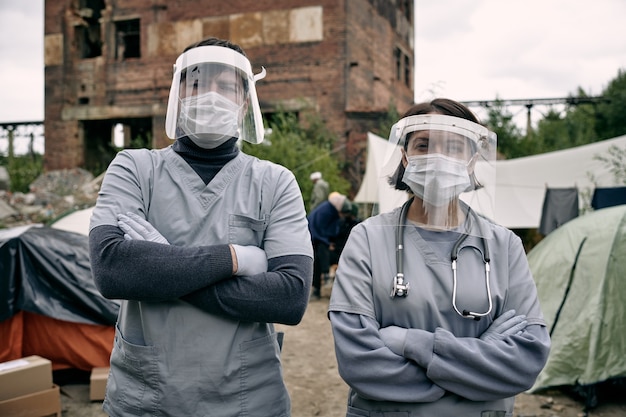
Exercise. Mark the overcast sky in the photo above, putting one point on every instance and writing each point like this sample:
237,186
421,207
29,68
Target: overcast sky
517,49
464,49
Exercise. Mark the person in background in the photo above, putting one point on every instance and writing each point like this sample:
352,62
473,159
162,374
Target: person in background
347,222
324,226
206,247
434,310
320,191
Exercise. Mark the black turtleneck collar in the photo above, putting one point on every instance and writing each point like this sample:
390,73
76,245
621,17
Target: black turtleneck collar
206,162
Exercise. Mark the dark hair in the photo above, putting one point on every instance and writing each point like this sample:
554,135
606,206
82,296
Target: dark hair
212,41
443,106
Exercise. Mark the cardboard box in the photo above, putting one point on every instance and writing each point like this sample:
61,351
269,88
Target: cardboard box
98,383
43,403
24,376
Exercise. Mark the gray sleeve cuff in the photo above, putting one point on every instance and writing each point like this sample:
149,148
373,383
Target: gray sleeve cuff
419,346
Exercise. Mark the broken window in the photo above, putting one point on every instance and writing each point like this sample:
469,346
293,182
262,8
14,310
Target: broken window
407,9
127,39
87,31
101,144
407,71
397,55
403,66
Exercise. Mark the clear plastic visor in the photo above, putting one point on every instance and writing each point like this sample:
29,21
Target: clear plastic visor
449,165
213,94
203,78
447,131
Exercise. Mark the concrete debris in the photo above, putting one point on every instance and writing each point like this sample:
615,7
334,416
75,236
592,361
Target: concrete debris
51,195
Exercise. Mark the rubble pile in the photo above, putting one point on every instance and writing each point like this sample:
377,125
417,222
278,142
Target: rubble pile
51,195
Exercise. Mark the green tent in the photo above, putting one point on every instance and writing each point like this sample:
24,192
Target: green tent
580,271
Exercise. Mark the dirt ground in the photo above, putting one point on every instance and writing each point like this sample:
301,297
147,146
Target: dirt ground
317,390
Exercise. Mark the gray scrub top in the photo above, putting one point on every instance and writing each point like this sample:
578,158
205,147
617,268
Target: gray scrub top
170,357
363,285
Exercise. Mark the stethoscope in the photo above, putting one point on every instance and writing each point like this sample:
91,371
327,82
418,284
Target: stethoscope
401,287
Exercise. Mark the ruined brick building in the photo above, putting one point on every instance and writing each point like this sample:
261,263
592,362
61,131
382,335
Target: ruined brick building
109,63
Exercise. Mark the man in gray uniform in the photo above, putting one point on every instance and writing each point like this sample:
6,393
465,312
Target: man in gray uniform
205,247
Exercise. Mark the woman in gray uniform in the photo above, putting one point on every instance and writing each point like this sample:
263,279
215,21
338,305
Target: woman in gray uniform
206,247
434,310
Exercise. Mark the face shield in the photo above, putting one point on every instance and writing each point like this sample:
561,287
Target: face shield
213,98
449,164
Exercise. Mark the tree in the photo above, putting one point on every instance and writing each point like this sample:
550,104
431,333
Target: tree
575,127
551,134
302,148
616,161
611,121
500,120
389,119
580,121
23,170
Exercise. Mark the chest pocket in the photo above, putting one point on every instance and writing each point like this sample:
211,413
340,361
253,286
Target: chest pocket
243,230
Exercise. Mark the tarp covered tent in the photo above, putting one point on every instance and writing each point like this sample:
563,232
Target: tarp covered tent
521,183
580,272
49,305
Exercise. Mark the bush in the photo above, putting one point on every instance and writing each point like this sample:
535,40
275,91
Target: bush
23,170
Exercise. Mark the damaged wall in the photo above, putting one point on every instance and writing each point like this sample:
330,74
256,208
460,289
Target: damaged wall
110,62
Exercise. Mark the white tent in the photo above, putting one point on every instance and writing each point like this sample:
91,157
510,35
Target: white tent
374,188
77,221
521,183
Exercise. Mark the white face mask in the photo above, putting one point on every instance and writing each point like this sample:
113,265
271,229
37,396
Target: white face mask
209,119
436,179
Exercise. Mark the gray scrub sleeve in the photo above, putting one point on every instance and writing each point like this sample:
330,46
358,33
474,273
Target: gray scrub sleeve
277,296
434,351
202,275
372,369
148,271
486,370
479,370
199,276
432,363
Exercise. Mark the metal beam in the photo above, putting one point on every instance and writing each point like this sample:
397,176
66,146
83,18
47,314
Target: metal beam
529,103
13,125
526,102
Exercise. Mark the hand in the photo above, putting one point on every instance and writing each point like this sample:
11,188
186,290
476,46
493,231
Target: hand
136,228
394,338
251,260
506,325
